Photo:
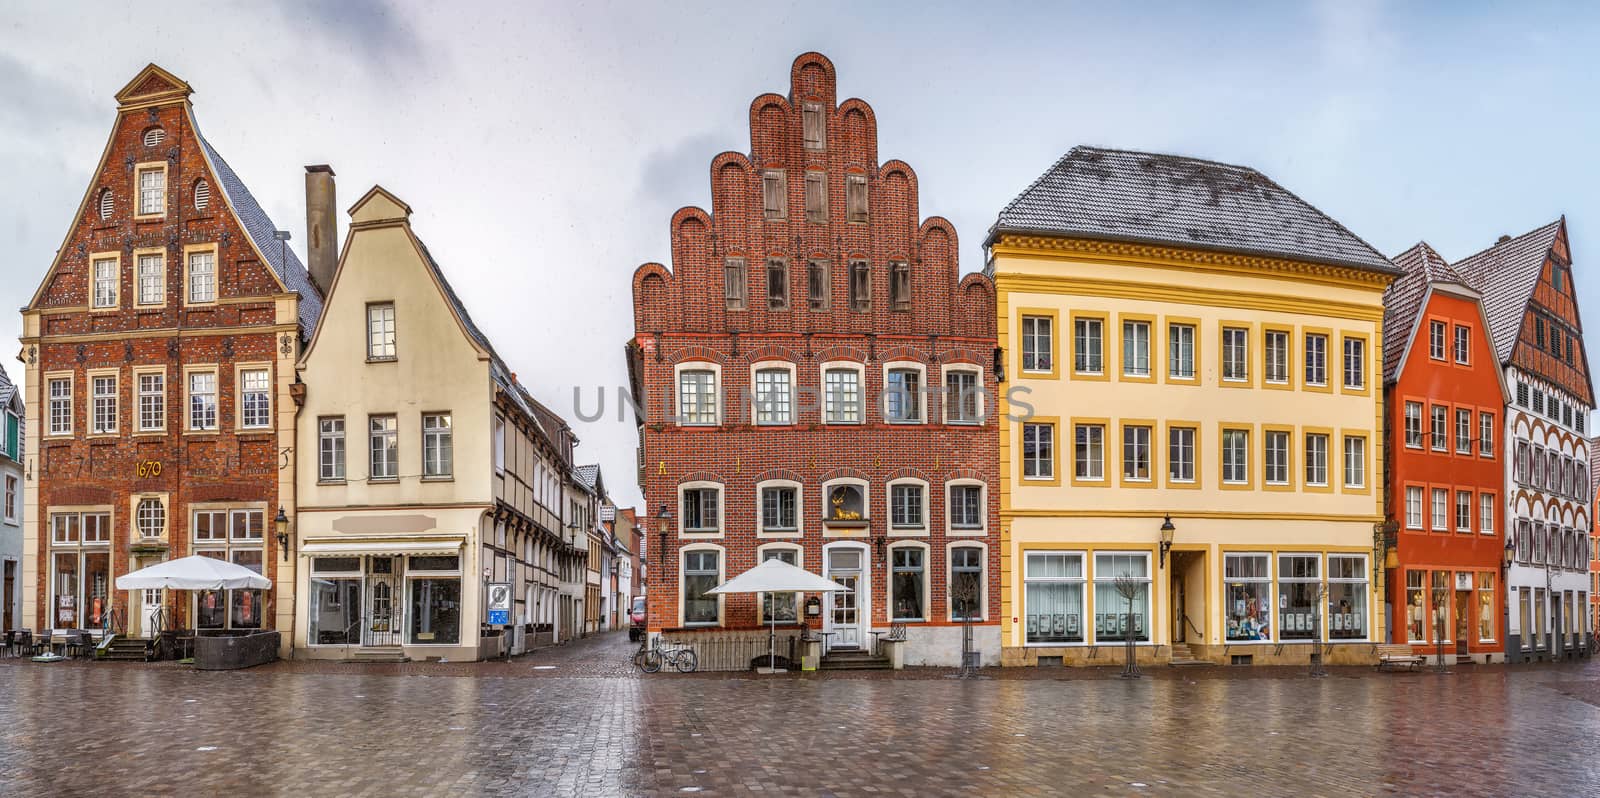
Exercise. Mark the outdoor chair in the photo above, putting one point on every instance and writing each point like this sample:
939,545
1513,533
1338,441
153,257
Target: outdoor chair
896,634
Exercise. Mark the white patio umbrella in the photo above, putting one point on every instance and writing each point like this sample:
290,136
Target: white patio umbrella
776,576
194,573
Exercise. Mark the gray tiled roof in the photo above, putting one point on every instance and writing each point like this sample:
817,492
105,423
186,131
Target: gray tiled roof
259,226
1176,201
1505,274
8,389
587,475
1421,265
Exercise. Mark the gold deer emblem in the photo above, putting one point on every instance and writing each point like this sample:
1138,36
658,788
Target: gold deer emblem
840,512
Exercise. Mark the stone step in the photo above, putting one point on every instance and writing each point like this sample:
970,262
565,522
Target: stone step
855,664
380,654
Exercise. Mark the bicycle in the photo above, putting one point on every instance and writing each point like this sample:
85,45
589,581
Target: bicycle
651,656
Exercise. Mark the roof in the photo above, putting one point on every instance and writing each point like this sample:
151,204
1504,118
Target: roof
587,475
1505,274
1173,200
608,512
8,389
1420,266
260,228
1594,465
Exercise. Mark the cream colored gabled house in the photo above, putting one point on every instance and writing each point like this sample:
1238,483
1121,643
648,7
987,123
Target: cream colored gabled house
1192,409
431,472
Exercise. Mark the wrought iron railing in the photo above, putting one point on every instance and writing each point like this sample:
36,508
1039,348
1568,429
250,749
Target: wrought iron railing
735,650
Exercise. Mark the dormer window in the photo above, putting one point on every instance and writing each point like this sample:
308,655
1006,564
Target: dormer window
202,195
154,136
380,331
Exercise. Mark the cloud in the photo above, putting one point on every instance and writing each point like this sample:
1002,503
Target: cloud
377,33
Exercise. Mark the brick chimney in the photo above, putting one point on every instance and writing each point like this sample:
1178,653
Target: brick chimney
322,233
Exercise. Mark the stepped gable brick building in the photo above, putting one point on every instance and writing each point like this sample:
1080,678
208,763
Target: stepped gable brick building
160,351
792,360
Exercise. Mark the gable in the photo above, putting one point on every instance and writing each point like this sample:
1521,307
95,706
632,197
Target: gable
153,84
1549,341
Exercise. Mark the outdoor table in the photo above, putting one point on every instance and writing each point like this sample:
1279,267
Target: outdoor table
826,641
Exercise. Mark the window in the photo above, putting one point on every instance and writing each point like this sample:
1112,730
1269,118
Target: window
107,203
842,397
1463,511
1235,456
773,396
697,397
498,437
780,607
906,599
1436,340
202,400
1316,359
60,405
1136,453
1414,425
150,518
1248,580
152,191
817,285
900,285
202,277
1277,364
1355,363
701,572
1136,348
255,402
814,125
846,502
202,195
435,617
380,331
1316,459
1089,451
1520,471
966,507
11,498
330,449
702,510
1441,499
734,283
154,136
1180,454
1441,605
777,284
1180,351
1235,354
1299,582
860,285
1486,513
855,198
966,583
1355,461
1277,457
384,439
1087,349
1053,588
903,398
80,569
1038,451
816,197
1413,507
237,536
1485,434
105,283
774,194
1538,328
1463,431
1485,606
1463,343
778,509
1038,342
103,401
1416,619
906,503
1522,394
152,280
1347,597
962,397
1121,597
1439,430
438,458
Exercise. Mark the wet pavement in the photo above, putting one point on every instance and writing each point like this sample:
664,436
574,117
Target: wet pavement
575,720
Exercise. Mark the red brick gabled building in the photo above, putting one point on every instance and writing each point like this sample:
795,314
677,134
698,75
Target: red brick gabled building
1445,397
786,361
160,351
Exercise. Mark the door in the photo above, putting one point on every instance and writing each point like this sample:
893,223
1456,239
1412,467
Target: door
11,592
382,627
150,619
1176,590
844,606
1463,620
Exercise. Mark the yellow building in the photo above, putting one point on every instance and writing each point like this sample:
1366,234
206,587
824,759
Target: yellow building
1193,403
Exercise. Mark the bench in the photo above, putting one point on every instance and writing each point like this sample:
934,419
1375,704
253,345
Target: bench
1398,655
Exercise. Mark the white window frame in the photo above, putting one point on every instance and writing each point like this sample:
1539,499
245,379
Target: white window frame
98,399
1242,451
1279,458
142,423
1084,346
919,529
1131,347
1267,351
1356,367
141,281
716,392
136,516
1486,502
382,332
1043,344
1085,588
950,578
204,279
1461,495
111,298
787,416
1355,466
241,374
1439,506
189,373
951,530
1096,579
920,399
1192,447
150,203
1316,359
949,400
1235,352
58,405
1414,512
684,533
441,463
1365,581
682,597
799,509
1436,339
828,409
332,442
373,436
762,552
1413,424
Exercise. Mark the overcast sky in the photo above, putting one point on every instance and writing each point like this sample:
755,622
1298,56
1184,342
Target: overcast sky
544,148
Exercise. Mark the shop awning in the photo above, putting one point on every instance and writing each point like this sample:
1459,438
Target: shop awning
347,546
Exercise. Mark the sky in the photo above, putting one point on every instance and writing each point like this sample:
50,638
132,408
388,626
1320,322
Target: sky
544,147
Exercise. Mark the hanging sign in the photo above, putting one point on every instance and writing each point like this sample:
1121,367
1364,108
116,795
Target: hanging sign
499,604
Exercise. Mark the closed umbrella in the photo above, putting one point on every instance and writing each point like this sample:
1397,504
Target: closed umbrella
194,573
776,576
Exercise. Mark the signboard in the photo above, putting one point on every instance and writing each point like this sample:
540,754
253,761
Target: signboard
499,604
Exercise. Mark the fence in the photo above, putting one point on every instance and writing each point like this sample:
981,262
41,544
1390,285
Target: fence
734,651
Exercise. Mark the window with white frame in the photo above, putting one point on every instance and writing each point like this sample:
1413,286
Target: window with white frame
1413,507
1038,337
152,390
1436,339
1463,343
966,507
1414,425
1277,356
1463,431
780,508
1089,455
780,607
1441,510
1235,354
1486,513
1299,582
1316,359
773,397
702,510
697,397
80,569
438,445
255,399
1440,430
202,277
152,279
1116,614
1053,597
105,283
499,435
1136,348
1463,511
1248,581
908,599
103,403
1088,346
1038,451
963,397
330,448
60,392
1180,454
1355,461
380,331
966,583
1180,351
152,191
845,502
237,536
1486,613
1136,453
1355,363
902,401
383,439
202,400
150,518
1235,456
1276,464
701,572
1347,597
841,403
1316,459
907,506
11,498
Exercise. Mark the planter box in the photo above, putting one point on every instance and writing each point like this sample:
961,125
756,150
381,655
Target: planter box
232,652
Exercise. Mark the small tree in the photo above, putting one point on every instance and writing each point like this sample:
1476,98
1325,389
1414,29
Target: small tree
964,595
1129,589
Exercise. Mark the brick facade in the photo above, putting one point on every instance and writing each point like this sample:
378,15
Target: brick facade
689,315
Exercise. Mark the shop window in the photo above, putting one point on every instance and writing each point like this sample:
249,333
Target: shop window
1439,607
1248,581
701,572
908,599
80,565
1347,597
1416,614
236,535
966,583
1053,591
1121,597
435,616
1299,582
780,607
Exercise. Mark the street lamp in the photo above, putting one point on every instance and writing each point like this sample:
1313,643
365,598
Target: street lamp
281,524
663,521
1167,531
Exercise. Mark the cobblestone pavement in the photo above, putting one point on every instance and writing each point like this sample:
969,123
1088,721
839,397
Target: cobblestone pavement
590,726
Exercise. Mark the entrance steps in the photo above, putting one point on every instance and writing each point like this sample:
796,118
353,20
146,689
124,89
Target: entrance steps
854,660
128,649
380,654
1182,657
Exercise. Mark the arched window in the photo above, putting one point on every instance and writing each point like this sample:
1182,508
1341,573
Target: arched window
151,518
202,194
105,203
154,136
